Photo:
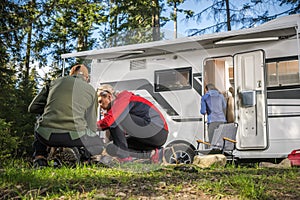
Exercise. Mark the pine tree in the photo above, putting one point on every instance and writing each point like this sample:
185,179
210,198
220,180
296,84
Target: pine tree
228,16
131,22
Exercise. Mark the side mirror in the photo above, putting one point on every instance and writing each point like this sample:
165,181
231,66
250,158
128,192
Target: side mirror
248,98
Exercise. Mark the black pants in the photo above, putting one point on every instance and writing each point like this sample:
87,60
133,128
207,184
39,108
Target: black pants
94,145
136,134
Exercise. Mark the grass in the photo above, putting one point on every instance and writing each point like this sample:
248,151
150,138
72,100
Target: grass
142,181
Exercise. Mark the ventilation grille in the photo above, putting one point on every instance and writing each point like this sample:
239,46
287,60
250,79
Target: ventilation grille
137,64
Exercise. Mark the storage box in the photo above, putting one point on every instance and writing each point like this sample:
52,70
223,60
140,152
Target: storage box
294,157
248,98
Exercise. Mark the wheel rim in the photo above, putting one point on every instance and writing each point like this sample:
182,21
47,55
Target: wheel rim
180,157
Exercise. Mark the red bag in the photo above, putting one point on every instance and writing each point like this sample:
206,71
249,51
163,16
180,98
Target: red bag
294,157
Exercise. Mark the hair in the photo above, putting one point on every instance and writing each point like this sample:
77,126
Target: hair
210,86
79,69
105,88
231,90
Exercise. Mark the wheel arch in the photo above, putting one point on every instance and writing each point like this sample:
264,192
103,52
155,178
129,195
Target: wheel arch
181,142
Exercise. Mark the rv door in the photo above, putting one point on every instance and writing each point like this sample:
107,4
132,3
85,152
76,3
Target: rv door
250,100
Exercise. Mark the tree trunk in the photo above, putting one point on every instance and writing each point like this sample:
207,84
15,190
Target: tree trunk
155,21
80,37
228,15
175,20
28,52
28,45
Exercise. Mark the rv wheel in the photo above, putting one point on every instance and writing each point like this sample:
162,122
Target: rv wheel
179,153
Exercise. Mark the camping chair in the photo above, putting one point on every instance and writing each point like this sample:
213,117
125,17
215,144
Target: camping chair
223,141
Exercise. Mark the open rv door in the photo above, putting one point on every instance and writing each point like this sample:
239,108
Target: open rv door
250,100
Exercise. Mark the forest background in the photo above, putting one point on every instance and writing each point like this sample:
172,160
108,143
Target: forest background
34,34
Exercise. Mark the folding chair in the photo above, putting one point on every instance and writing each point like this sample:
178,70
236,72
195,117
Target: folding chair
223,141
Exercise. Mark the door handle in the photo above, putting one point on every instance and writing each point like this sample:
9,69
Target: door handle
258,84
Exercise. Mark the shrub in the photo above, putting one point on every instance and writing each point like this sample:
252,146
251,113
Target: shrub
8,143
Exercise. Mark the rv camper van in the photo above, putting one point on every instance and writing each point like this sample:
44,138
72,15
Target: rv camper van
261,64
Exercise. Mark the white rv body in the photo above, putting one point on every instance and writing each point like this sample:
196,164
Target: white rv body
256,62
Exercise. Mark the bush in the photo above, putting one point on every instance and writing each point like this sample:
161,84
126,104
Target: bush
8,143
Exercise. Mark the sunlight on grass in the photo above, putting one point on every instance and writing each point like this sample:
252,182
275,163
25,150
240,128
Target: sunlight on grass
248,186
19,181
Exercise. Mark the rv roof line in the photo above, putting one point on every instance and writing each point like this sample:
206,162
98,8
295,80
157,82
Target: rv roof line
153,54
277,25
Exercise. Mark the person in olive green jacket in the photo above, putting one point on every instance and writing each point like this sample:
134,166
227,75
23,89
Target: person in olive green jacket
68,109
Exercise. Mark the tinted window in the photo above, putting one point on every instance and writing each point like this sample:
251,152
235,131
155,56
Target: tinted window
173,79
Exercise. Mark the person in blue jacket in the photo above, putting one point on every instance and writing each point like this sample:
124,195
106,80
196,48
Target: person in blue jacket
134,123
214,106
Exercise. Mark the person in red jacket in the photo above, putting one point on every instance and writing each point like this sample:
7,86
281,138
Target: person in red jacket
134,123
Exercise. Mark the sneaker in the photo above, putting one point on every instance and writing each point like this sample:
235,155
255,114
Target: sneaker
107,161
157,156
70,156
40,163
125,160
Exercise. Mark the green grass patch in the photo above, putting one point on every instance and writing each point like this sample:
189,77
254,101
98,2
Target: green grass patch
18,180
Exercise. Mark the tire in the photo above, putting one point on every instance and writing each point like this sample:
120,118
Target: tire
179,153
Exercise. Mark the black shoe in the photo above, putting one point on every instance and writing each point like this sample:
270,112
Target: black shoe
40,163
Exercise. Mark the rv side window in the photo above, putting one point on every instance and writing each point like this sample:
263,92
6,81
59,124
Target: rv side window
282,73
173,79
